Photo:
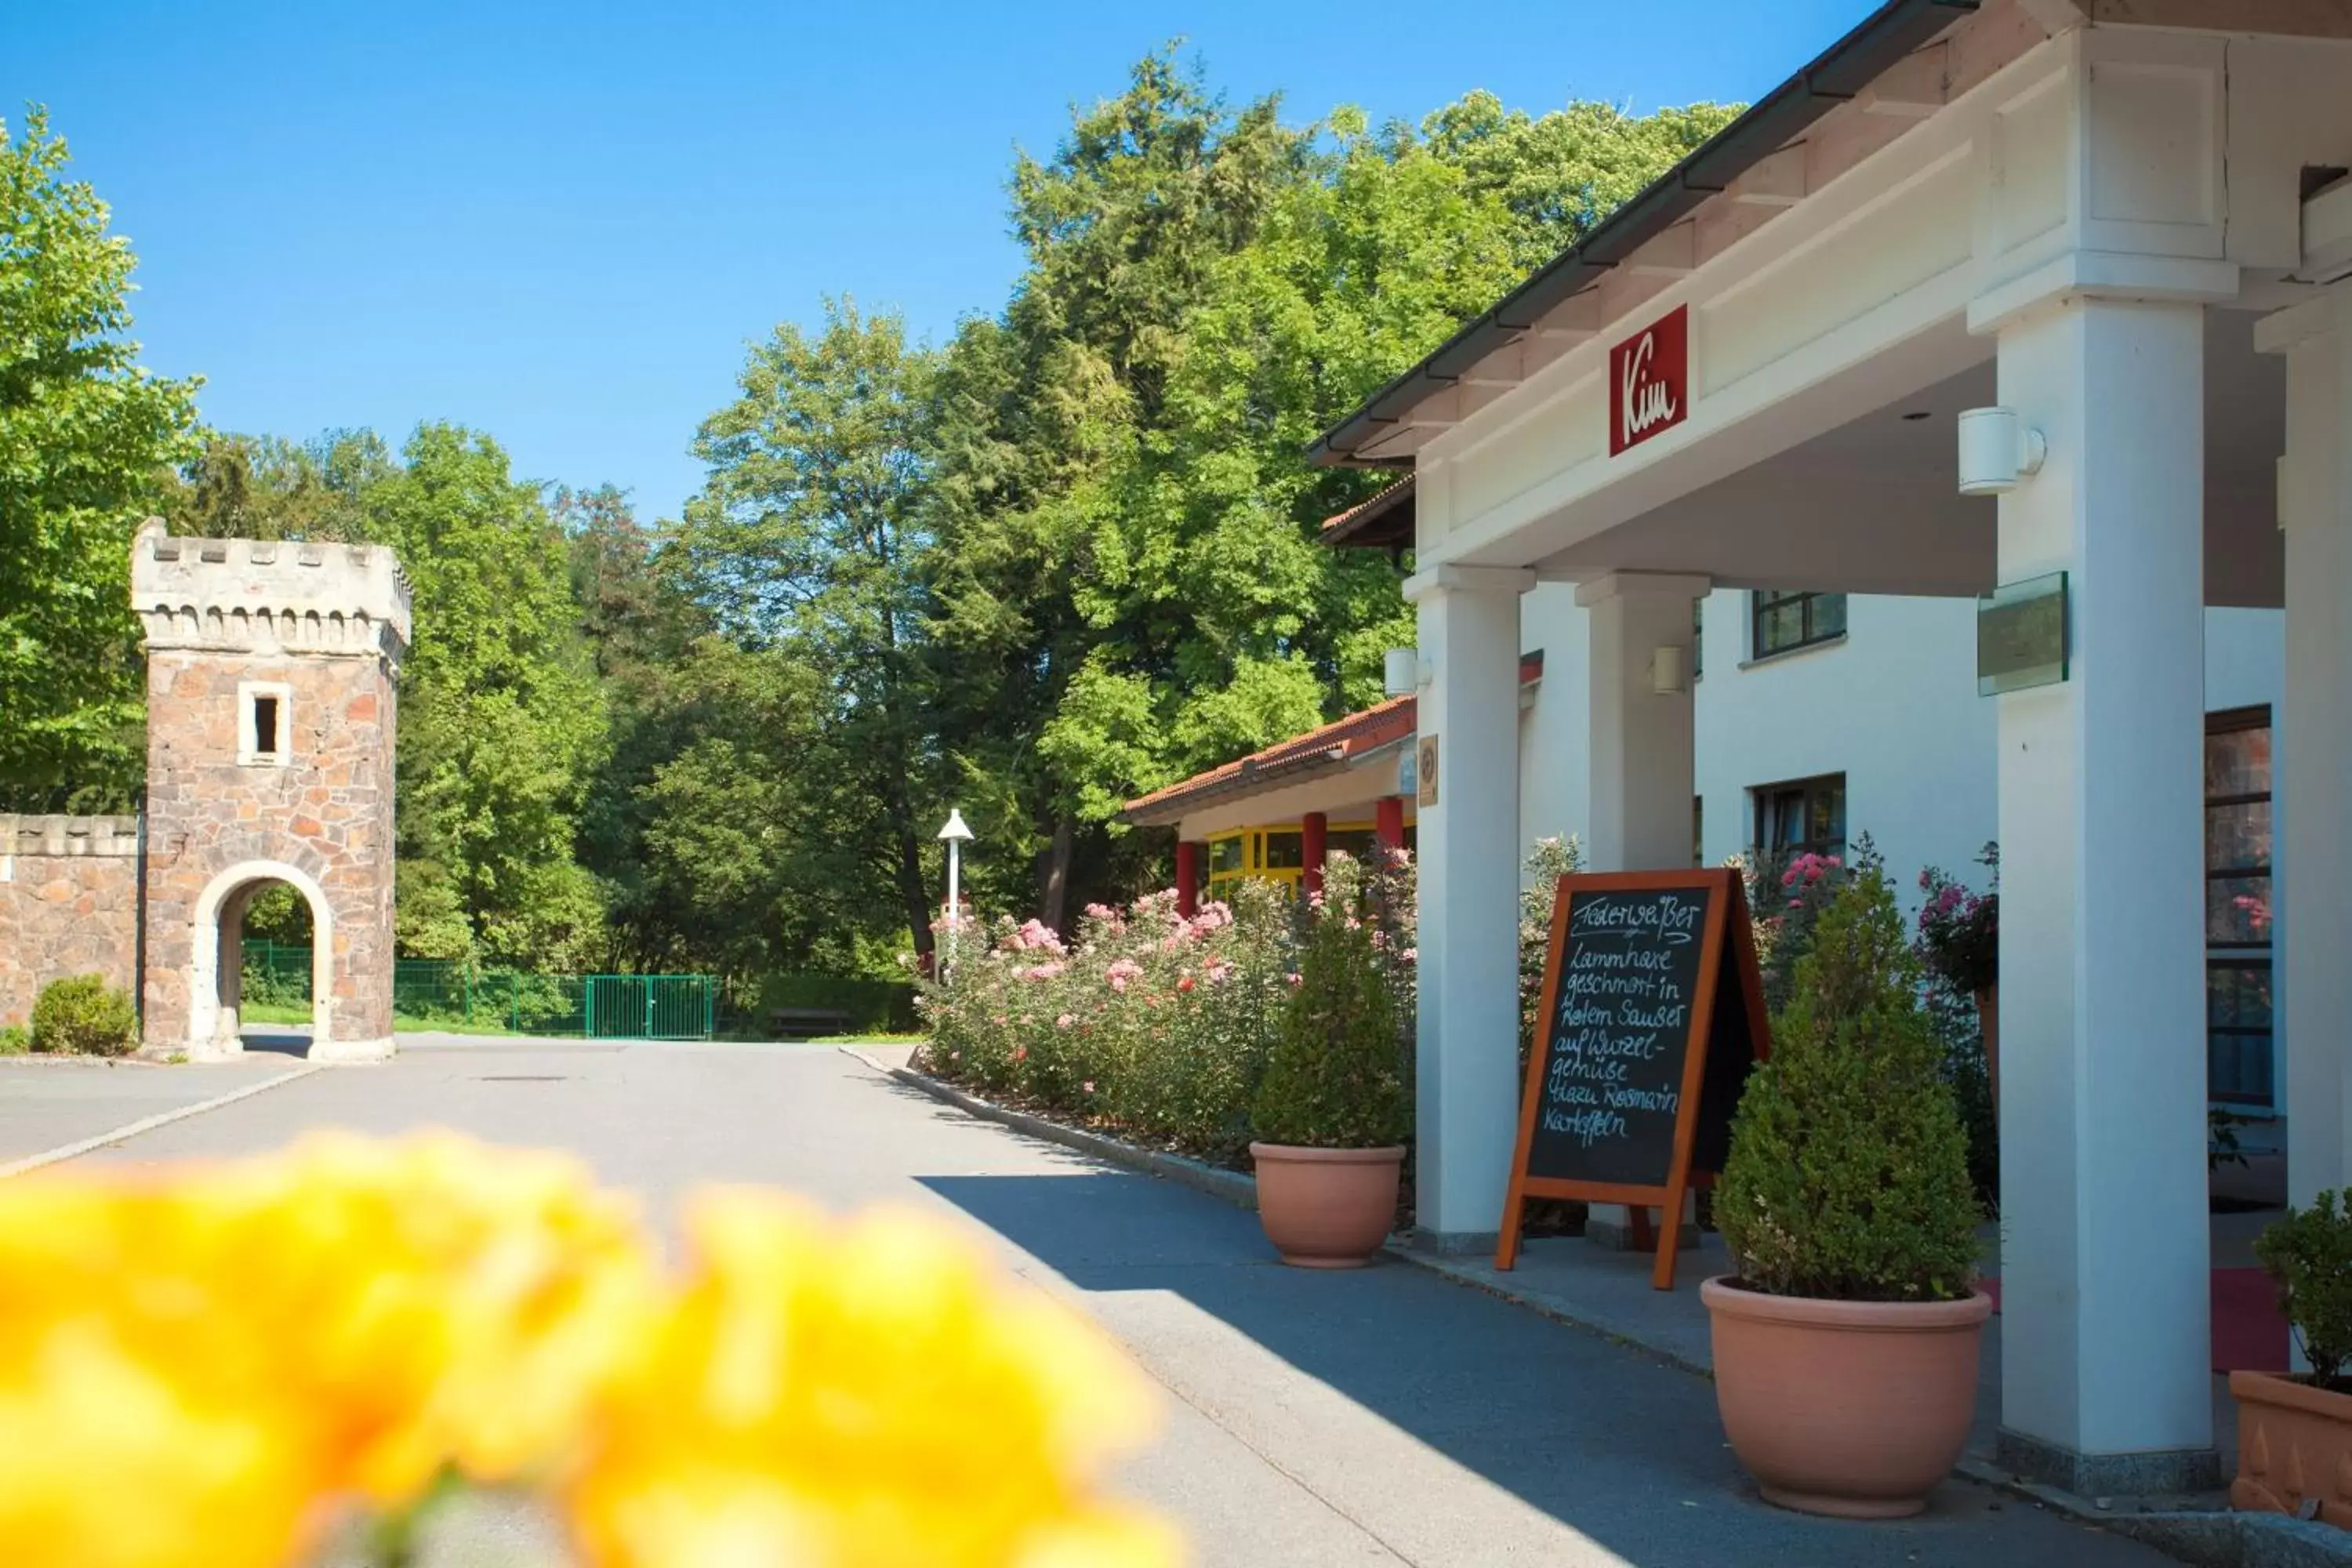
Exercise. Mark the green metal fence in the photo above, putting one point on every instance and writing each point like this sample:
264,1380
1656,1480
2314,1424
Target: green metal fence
448,991
650,1006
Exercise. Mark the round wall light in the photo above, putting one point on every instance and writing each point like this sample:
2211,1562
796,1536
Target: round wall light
1996,449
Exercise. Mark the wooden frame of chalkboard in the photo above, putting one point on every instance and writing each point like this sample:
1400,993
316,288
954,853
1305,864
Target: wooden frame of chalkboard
1636,1069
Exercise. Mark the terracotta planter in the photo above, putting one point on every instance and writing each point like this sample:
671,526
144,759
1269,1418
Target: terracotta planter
1851,1408
1326,1208
2294,1448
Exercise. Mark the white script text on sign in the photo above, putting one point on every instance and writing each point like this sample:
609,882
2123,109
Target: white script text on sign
1649,377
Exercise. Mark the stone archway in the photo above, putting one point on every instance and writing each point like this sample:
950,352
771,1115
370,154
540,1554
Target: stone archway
216,958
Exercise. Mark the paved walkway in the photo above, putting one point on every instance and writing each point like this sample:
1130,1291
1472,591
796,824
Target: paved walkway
1386,1416
48,1102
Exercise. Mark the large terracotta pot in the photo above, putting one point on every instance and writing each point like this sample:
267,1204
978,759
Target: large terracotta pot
2295,1447
1326,1208
1851,1408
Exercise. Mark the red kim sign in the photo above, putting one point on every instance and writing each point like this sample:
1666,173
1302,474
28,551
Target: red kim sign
1649,381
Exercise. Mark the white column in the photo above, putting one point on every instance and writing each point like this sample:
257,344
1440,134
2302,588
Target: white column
2104,1385
1467,1065
2312,848
1642,756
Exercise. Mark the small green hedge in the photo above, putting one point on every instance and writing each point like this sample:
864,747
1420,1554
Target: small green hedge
83,1016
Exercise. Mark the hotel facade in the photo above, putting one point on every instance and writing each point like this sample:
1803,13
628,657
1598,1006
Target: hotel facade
2039,300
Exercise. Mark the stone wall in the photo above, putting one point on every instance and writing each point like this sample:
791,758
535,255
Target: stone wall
221,829
68,904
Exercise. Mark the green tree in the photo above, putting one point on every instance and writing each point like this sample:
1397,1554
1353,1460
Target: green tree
501,723
808,539
87,440
1129,578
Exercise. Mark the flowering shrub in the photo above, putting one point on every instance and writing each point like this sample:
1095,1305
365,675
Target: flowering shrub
1960,929
1145,1023
1786,896
212,1367
1144,1020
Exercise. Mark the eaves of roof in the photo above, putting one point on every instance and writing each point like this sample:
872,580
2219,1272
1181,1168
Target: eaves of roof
1841,73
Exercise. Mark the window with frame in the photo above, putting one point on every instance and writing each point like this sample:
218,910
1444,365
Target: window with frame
1804,817
265,731
1784,621
2238,847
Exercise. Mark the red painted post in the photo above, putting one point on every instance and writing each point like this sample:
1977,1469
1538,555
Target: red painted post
1387,820
1311,851
1188,877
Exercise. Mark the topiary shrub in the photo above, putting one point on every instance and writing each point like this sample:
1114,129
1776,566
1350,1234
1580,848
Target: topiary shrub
1848,1177
2308,1255
1335,1078
84,1015
15,1041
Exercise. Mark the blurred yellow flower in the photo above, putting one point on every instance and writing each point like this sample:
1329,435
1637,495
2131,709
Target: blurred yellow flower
861,1396
204,1368
254,1341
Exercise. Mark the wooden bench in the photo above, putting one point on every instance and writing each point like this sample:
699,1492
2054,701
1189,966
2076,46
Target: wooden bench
806,1023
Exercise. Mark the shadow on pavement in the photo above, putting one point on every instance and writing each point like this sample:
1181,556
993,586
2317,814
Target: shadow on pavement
1605,1439
278,1042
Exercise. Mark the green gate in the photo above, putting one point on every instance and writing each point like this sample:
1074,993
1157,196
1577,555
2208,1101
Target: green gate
650,1006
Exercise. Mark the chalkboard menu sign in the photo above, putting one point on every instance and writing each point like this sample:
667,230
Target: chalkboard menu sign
1643,1049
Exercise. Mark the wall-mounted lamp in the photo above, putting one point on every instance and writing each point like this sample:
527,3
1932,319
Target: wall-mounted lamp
1996,449
1667,676
1404,674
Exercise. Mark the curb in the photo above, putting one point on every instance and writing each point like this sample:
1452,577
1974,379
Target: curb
148,1124
2214,1538
1228,1186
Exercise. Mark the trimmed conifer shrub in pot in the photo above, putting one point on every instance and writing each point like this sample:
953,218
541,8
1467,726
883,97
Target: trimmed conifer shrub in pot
1331,1112
1846,1346
2294,1434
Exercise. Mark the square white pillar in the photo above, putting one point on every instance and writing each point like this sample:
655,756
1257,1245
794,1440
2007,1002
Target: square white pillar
1644,741
2313,848
1641,755
2105,1386
1468,1051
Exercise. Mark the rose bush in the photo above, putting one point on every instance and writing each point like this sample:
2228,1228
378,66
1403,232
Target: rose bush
1144,1022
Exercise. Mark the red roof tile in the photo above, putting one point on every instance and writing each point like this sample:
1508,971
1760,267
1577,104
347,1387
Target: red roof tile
1333,745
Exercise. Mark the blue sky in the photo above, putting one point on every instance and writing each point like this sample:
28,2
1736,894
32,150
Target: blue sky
562,224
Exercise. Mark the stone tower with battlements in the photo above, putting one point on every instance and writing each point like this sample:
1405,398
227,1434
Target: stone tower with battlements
271,706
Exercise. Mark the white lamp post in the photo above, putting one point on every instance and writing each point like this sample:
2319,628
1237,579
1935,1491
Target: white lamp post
954,835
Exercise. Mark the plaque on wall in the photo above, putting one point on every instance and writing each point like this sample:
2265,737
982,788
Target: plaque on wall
2022,636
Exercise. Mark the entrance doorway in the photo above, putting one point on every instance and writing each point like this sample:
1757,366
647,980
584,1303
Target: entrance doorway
262,977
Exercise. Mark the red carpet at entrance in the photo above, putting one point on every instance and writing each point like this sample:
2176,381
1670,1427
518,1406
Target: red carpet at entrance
2249,1333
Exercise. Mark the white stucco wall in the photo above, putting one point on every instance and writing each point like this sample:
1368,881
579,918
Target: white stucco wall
1894,708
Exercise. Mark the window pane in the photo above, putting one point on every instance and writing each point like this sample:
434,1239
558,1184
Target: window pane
2238,762
2238,1068
1224,855
2238,910
1284,851
2238,997
1781,627
1828,615
1359,842
2238,837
